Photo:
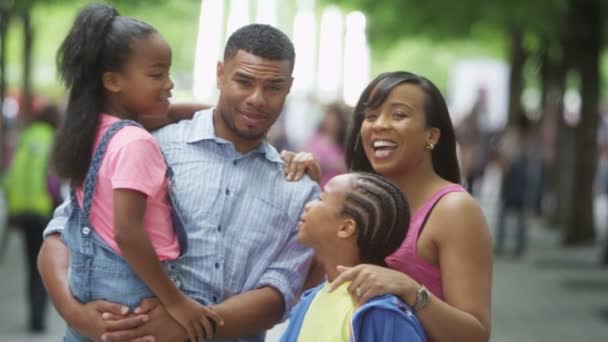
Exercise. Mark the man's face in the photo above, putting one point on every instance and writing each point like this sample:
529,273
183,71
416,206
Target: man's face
252,93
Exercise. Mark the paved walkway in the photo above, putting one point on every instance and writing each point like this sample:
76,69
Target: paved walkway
551,294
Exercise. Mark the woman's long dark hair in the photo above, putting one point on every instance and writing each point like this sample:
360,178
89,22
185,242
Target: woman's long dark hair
99,41
444,158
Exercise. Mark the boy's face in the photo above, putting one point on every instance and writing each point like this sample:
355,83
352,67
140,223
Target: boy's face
321,220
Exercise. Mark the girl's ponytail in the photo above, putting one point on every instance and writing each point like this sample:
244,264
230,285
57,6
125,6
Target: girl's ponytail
79,61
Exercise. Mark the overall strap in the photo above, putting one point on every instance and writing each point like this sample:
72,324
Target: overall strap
91,178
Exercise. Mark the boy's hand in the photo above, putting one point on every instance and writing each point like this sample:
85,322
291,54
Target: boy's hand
194,317
298,164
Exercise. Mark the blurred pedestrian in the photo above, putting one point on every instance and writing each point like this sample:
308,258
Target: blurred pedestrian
515,156
327,142
32,192
474,142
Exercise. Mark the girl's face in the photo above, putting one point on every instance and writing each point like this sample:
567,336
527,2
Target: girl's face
144,83
322,217
395,134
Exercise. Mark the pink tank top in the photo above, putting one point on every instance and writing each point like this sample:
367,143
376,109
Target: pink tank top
406,258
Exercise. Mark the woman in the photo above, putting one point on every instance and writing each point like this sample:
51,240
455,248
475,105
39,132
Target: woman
402,130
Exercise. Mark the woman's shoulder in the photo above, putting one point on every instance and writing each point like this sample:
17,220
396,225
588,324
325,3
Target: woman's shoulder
458,209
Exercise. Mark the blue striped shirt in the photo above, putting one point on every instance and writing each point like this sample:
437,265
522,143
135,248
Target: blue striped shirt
239,212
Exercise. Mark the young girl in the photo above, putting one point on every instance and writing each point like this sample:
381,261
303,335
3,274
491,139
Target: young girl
359,218
117,68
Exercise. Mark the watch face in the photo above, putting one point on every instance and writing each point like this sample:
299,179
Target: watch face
424,294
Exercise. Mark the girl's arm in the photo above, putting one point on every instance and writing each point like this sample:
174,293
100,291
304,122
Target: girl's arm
177,112
136,248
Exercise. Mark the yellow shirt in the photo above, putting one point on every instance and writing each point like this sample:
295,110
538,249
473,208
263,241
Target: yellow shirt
328,317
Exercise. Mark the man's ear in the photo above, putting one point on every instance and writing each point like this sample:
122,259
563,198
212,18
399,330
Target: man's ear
290,84
219,74
111,82
347,229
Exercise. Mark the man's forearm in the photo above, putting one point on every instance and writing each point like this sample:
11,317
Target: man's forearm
250,313
53,263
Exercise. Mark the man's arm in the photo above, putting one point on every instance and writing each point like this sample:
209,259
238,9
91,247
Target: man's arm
53,261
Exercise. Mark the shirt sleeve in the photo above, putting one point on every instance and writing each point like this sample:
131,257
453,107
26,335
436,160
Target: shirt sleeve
60,217
138,165
289,270
387,325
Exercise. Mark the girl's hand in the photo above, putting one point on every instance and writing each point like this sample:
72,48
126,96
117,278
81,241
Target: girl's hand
369,281
194,317
297,164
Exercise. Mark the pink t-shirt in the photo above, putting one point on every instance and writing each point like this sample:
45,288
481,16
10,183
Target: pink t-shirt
133,161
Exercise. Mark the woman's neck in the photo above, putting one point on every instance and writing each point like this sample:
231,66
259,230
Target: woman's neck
418,184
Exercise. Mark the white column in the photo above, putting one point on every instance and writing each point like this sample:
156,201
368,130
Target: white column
356,58
329,78
208,50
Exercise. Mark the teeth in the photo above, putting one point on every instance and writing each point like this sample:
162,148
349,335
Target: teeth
383,143
382,153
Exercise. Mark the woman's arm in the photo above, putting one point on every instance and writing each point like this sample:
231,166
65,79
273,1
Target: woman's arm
465,256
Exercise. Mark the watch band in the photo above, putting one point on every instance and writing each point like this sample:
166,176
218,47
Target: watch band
422,299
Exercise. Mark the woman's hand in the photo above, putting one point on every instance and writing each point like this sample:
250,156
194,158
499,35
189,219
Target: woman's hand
298,164
369,281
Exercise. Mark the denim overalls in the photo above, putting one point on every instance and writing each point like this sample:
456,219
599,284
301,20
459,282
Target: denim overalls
95,270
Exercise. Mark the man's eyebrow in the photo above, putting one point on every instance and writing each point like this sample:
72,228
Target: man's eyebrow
243,75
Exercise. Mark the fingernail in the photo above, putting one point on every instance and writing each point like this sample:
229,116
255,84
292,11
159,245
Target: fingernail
105,315
137,310
222,323
103,337
124,310
145,318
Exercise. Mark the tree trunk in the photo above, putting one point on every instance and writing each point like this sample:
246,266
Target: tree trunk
4,20
517,59
28,36
555,166
587,33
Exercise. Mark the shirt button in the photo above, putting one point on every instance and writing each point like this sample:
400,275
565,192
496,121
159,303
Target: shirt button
86,230
234,162
219,228
214,299
227,191
217,265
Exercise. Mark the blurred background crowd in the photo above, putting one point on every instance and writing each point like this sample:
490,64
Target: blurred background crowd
525,82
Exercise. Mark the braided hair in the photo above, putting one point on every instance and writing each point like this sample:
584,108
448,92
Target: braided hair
381,213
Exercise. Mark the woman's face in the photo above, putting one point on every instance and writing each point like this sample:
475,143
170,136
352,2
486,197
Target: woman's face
395,134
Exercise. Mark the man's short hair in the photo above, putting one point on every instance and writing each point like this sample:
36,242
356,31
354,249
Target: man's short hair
263,41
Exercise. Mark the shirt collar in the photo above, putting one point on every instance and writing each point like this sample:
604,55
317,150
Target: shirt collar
202,129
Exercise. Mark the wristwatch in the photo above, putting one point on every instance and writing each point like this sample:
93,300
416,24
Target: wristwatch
422,299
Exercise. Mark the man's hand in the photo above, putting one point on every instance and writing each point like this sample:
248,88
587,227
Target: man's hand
158,326
88,319
297,164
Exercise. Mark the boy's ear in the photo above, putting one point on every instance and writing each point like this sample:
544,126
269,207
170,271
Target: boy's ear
347,229
111,82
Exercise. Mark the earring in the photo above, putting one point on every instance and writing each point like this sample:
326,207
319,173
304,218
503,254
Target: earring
429,146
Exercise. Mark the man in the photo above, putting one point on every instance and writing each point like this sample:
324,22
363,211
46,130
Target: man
240,213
